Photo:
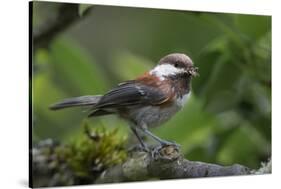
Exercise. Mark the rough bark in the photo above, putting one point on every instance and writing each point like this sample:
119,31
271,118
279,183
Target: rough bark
53,165
165,163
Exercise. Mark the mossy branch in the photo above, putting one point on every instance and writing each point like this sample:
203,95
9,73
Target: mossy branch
166,163
100,157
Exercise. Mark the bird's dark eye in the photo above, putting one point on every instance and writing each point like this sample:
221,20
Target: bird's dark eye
176,64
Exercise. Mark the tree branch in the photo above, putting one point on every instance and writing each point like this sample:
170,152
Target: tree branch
89,162
67,15
165,163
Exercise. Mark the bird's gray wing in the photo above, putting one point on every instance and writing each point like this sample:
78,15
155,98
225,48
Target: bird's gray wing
132,93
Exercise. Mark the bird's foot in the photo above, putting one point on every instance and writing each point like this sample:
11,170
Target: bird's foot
168,151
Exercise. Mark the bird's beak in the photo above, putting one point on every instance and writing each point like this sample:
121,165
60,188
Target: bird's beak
193,71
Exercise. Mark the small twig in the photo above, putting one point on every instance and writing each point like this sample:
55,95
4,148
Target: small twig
67,15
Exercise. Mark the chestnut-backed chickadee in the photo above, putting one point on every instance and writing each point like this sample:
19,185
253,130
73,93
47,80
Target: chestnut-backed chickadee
147,101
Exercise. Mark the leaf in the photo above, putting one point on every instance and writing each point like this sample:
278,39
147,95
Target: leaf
244,142
83,9
65,71
48,123
253,26
217,86
75,70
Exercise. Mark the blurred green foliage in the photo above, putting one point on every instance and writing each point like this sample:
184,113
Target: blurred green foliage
228,118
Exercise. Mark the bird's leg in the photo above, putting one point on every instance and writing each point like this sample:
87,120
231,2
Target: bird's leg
161,141
164,145
143,145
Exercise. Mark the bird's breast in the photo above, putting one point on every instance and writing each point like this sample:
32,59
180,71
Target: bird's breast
153,116
181,101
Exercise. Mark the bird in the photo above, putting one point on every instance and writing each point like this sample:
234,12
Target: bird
147,101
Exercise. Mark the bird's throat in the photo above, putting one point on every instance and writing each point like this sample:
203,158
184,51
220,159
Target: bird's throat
181,84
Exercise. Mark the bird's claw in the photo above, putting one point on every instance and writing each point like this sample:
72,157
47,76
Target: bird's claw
166,151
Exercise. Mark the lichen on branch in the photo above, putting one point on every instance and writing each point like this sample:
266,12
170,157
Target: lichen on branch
165,162
79,162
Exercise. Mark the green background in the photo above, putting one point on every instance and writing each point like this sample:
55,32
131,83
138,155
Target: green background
228,117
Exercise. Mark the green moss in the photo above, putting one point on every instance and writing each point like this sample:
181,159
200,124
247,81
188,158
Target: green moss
95,151
84,159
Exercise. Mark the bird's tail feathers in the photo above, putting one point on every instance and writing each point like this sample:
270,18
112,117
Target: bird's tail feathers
76,101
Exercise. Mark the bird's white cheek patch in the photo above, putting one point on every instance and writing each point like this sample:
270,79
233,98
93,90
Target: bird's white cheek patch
165,70
182,101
